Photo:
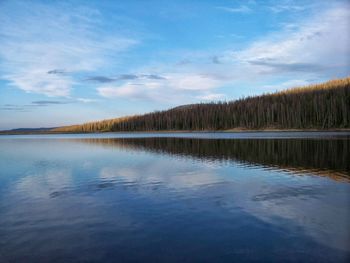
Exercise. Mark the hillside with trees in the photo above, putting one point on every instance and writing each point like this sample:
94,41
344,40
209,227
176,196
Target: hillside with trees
320,106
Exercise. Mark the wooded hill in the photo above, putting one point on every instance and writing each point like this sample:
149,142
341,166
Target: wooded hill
321,106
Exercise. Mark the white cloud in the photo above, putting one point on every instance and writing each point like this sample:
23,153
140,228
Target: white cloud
85,100
318,46
286,7
36,80
43,46
212,97
173,88
191,81
242,9
126,90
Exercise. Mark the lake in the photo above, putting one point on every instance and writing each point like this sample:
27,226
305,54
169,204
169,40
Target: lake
181,197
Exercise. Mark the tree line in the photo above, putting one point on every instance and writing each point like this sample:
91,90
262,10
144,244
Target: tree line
320,106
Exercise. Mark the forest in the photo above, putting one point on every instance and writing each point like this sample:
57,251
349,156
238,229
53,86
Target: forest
320,106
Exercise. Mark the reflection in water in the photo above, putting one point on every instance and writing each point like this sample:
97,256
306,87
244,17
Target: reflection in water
174,200
322,157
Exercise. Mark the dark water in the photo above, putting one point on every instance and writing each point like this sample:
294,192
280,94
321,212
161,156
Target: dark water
175,198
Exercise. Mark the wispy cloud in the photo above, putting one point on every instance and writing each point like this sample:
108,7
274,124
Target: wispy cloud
153,76
317,46
56,71
211,97
123,77
48,102
183,62
173,88
13,107
289,67
42,103
85,100
100,79
39,41
215,60
241,9
287,8
29,107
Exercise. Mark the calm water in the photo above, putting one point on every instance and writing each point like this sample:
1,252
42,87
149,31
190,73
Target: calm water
208,197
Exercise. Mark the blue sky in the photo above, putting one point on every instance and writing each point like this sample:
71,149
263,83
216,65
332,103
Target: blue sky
65,62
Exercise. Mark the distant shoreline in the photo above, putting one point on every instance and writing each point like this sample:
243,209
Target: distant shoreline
235,130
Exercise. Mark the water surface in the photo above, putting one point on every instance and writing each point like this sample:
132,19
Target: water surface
183,197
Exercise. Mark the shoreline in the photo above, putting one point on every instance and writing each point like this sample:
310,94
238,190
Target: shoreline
234,130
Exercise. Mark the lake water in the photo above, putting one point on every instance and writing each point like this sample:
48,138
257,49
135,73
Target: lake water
182,197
